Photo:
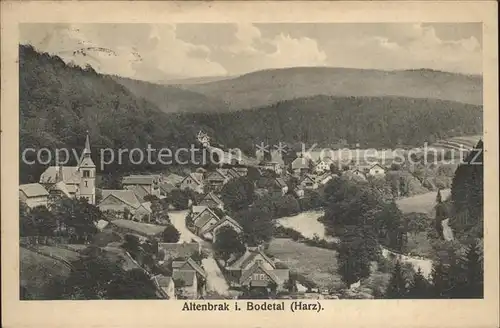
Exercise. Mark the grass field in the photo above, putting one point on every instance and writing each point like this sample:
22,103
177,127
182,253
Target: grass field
59,252
316,264
307,224
423,203
37,271
145,229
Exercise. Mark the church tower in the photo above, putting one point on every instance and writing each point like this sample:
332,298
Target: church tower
87,174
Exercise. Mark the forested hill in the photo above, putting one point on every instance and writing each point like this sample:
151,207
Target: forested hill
370,121
58,103
266,87
171,99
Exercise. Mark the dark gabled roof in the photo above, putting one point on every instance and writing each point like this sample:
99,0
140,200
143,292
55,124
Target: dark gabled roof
139,191
224,219
248,257
187,276
248,273
199,222
167,187
213,197
126,196
176,265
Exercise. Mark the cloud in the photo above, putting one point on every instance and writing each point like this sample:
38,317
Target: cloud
256,52
149,52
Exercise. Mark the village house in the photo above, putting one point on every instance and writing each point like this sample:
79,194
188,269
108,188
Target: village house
240,170
177,250
124,201
308,182
212,201
325,178
211,232
193,181
179,267
355,174
33,195
215,180
166,188
172,178
140,192
204,220
323,165
186,283
255,270
166,285
149,182
376,171
75,181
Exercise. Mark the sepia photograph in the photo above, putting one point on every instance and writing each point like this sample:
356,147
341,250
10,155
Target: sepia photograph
268,161
275,167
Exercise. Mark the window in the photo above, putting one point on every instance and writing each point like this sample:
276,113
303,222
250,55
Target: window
86,173
86,183
259,276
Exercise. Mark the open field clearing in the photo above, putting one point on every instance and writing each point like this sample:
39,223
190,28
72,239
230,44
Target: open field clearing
423,203
59,252
316,264
36,271
307,224
145,229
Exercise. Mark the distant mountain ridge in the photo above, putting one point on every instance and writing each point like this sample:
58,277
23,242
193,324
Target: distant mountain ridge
262,88
171,99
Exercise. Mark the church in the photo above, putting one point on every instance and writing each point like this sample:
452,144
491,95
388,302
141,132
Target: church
73,181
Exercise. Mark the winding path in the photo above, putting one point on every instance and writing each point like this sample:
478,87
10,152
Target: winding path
215,279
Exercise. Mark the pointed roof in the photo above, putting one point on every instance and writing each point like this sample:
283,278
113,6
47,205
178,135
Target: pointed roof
213,197
249,256
87,144
126,196
225,219
199,222
257,265
192,263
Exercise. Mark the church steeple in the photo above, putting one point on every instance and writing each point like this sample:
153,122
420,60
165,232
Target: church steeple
87,144
87,174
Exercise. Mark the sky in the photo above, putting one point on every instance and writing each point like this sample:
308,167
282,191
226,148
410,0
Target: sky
159,52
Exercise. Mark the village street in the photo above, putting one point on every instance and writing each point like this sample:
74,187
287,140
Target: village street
215,279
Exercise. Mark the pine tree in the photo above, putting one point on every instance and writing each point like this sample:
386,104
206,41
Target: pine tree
397,284
419,286
469,275
441,286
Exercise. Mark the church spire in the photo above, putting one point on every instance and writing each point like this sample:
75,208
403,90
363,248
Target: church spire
87,144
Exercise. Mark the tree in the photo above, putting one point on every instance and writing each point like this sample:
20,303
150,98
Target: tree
397,283
132,245
158,214
238,194
467,195
286,206
469,274
441,282
133,284
419,286
228,242
257,225
179,199
355,252
170,234
78,217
